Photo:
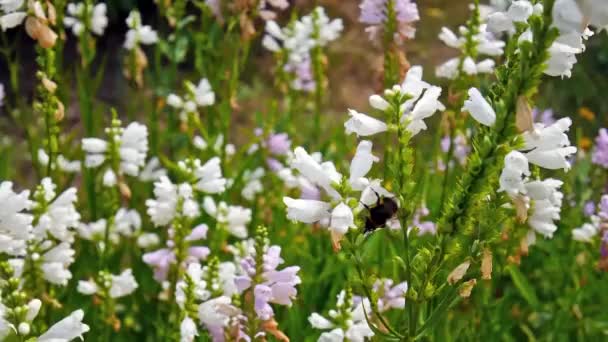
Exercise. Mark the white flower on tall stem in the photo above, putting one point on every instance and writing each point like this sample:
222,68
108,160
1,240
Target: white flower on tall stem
208,177
56,262
67,329
479,108
418,101
196,96
138,33
15,223
230,217
126,147
549,146
354,328
13,13
60,214
95,17
171,201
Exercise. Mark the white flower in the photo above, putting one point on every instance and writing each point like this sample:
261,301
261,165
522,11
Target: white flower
479,108
55,263
234,218
133,148
424,108
92,231
448,69
96,16
127,221
163,209
148,240
215,312
8,6
12,20
70,166
61,214
585,233
515,170
518,12
209,176
363,125
123,284
67,329
342,219
379,102
152,171
109,178
87,287
188,330
15,225
548,147
307,211
138,33
323,175
357,328
562,58
450,38
253,183
203,94
362,162
546,206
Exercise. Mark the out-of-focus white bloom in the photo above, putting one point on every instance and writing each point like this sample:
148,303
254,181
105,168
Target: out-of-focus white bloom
67,329
87,287
55,263
561,60
209,176
518,12
188,330
357,329
232,218
362,162
298,39
549,146
199,143
127,221
363,125
70,166
96,16
109,178
200,95
138,33
152,171
92,231
15,225
585,233
13,14
253,183
215,312
479,108
426,106
123,284
148,240
164,208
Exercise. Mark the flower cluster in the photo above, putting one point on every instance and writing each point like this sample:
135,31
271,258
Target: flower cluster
378,14
196,96
82,15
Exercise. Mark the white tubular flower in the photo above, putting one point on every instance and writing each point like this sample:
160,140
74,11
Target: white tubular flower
148,240
549,147
562,58
87,287
585,233
209,176
378,102
188,330
448,69
307,211
15,225
203,94
67,329
95,149
253,183
546,206
55,263
362,163
215,312
512,177
323,175
518,12
138,33
13,14
152,171
98,20
133,148
424,108
60,216
163,209
123,284
363,125
449,38
479,108
127,221
342,219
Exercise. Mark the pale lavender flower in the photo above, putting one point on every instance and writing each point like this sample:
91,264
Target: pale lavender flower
274,165
546,117
424,227
589,208
461,148
603,207
277,287
303,77
600,154
278,144
374,13
390,296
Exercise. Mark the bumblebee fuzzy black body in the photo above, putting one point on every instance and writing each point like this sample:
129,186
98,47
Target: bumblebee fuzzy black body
384,210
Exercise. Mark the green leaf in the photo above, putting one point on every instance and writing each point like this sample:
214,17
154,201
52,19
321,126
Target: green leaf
523,286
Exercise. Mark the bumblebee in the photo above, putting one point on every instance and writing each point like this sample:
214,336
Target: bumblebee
380,213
